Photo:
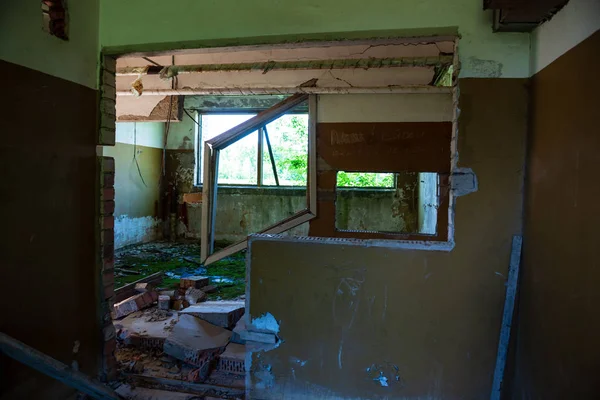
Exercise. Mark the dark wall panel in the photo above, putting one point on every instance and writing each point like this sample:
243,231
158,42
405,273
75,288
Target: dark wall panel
47,209
558,352
428,320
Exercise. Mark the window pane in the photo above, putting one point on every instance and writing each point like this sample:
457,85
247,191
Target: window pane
237,163
289,142
240,169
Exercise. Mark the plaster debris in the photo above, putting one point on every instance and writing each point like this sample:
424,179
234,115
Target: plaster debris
195,341
194,296
382,380
464,181
265,323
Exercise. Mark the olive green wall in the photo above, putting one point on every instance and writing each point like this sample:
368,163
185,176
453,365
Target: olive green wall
143,25
430,318
137,215
23,42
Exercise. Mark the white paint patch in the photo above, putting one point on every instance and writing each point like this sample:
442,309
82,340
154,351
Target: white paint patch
136,230
266,323
382,380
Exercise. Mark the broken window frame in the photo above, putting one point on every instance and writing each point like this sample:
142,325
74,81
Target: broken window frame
263,143
212,148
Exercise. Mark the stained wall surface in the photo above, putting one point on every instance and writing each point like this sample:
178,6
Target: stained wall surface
48,209
137,191
428,321
558,325
230,22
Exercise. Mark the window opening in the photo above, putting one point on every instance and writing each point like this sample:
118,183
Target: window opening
408,202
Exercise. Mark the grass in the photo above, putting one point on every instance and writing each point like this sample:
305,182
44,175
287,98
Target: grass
182,259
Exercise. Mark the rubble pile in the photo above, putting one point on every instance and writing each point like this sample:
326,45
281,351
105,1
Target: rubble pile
177,334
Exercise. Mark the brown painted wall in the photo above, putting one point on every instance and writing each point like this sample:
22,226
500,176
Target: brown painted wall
48,203
434,315
558,352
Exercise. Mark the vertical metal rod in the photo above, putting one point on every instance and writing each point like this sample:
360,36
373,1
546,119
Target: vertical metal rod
512,286
271,155
259,158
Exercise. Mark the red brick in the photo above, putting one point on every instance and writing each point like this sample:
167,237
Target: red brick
108,164
193,282
108,278
108,222
108,194
108,264
109,180
108,250
109,207
109,291
110,346
108,236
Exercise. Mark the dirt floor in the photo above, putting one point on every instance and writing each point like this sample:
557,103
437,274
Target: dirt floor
179,260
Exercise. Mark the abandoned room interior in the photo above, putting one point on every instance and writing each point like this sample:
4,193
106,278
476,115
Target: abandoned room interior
300,200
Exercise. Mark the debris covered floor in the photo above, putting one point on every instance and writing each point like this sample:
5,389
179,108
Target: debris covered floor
180,259
181,331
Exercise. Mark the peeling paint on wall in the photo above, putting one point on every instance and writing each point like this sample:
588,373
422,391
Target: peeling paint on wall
136,230
487,68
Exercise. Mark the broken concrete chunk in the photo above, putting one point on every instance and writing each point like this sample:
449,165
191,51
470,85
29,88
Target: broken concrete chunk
170,293
196,342
261,337
143,287
146,299
221,313
134,303
193,281
177,305
164,302
140,330
209,289
193,295
233,359
239,327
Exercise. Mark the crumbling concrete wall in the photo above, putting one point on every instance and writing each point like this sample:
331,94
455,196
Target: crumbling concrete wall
365,322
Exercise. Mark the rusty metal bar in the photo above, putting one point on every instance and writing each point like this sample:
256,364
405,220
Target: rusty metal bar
259,158
271,155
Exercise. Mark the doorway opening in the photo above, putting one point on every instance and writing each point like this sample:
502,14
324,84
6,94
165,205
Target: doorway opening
211,146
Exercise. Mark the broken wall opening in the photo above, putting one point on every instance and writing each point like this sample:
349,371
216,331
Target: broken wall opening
181,184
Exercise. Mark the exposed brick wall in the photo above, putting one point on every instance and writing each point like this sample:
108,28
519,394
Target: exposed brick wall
54,18
106,209
107,250
108,101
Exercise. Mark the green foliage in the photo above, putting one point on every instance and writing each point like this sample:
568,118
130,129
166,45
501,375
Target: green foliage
365,179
